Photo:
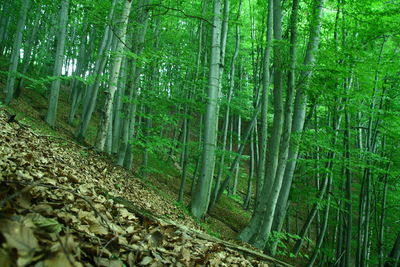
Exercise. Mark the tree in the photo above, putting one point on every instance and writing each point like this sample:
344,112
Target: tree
201,198
112,87
12,72
58,64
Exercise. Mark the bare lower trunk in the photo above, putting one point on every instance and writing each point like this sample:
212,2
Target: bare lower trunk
12,71
55,85
92,92
200,199
106,115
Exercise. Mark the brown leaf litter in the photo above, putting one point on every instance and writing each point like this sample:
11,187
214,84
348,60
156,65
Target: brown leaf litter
61,205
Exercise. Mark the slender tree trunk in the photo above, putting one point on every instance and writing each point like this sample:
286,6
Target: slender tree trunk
321,236
76,88
4,20
28,51
55,85
184,157
246,202
201,198
91,95
239,133
186,136
128,129
12,71
250,232
299,113
271,184
264,103
227,112
349,209
394,256
118,108
381,231
285,141
106,115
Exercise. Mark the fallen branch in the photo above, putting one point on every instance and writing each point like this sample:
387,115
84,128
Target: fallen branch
131,207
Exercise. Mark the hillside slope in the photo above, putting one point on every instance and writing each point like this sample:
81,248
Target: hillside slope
64,205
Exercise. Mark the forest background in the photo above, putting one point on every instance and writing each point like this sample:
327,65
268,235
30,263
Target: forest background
295,103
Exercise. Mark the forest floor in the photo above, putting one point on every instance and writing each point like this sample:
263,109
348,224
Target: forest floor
64,204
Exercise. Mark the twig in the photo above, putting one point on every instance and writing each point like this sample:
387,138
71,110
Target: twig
180,11
16,194
105,246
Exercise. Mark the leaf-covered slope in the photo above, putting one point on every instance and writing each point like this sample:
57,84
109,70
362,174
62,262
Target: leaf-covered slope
60,205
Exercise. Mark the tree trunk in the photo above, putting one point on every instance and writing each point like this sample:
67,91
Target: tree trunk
227,112
299,113
325,187
186,134
201,197
394,256
264,104
91,95
59,58
76,88
28,51
272,184
118,107
128,129
321,236
348,195
12,71
247,200
106,114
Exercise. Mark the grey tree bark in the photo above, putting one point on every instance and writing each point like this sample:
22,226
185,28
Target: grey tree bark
118,107
201,198
249,233
348,188
128,128
229,98
92,92
264,104
76,88
4,23
106,114
55,85
29,48
299,114
272,183
187,120
12,71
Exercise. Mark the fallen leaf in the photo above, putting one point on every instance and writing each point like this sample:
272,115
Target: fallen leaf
185,254
19,237
22,239
48,224
59,259
146,261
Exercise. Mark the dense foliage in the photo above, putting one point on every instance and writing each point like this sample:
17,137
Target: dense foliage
295,101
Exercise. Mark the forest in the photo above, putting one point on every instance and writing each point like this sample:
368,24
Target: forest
278,118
